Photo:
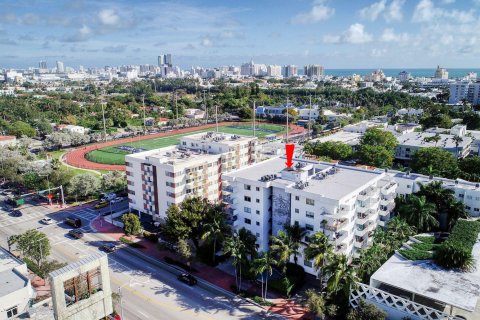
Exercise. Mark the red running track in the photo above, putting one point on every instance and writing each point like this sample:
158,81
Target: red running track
77,157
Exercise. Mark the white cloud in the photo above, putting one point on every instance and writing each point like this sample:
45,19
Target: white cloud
389,35
319,12
108,17
206,42
425,11
373,11
82,34
394,11
355,34
378,52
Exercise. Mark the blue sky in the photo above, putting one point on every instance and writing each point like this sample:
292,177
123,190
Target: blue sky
334,33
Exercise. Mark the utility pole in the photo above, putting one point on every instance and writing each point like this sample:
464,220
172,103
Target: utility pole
205,104
216,116
144,123
310,118
287,121
104,126
254,118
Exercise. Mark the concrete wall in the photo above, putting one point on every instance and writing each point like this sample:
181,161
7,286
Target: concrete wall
97,306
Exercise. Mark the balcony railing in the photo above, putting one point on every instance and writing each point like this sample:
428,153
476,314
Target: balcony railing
335,225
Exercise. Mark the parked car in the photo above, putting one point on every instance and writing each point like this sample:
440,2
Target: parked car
109,196
47,221
101,205
16,213
187,278
75,233
74,222
116,200
109,247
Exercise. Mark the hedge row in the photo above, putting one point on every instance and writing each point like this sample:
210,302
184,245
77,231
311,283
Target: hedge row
456,251
413,254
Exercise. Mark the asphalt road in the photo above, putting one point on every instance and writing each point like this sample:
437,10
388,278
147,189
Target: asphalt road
147,291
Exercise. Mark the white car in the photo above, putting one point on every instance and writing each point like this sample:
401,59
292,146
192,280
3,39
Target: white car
116,200
47,221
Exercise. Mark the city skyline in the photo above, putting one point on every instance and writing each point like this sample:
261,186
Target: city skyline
335,34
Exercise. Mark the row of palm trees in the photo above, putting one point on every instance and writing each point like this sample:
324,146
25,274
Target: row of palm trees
285,245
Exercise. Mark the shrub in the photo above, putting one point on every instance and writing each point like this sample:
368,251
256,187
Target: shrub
131,224
294,280
456,251
151,236
425,239
180,264
413,254
366,311
425,246
260,301
131,243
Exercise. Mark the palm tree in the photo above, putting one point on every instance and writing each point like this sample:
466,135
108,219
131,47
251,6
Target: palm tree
296,235
370,260
249,242
457,140
400,229
214,231
421,214
282,247
263,264
236,248
341,277
319,249
455,210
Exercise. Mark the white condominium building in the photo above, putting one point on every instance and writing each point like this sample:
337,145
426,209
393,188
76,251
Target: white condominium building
161,177
345,203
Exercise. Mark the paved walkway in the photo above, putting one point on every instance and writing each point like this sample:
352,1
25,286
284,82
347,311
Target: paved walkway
77,157
284,307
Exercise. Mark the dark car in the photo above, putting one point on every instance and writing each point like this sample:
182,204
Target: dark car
187,278
75,233
109,247
16,213
74,222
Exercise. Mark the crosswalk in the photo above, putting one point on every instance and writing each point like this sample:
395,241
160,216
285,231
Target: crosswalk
7,220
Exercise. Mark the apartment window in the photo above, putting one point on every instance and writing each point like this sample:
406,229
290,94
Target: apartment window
476,209
477,198
310,202
248,221
257,188
307,239
257,211
308,227
257,235
408,186
461,195
297,198
467,207
309,214
469,197
247,187
247,210
307,263
257,200
131,192
12,312
257,223
247,198
170,174
297,210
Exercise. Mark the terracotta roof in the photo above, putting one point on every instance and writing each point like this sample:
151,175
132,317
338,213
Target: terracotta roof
5,138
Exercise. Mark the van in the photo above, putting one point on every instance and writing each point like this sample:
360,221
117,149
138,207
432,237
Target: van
74,222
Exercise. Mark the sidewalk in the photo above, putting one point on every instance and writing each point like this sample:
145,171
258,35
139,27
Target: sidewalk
283,307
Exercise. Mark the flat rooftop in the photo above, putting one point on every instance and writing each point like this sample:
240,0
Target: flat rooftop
337,185
417,139
425,278
173,155
7,261
11,281
351,138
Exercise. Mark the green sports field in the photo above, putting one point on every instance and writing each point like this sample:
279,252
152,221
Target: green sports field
113,155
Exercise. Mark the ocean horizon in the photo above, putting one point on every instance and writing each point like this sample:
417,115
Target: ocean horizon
393,72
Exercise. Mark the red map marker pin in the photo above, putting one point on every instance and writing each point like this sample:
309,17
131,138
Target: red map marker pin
289,148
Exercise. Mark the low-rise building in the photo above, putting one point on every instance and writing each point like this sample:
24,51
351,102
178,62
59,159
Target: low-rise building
345,203
16,292
194,114
409,143
159,178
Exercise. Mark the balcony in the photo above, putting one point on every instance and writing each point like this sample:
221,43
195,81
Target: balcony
227,189
361,209
230,200
336,224
362,218
362,230
389,188
364,195
360,243
339,237
341,248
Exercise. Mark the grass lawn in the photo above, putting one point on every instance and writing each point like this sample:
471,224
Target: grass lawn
113,155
